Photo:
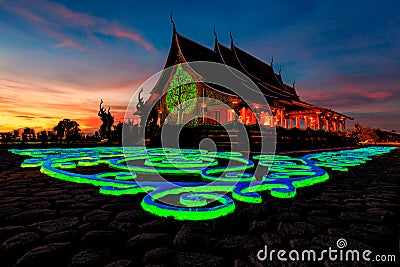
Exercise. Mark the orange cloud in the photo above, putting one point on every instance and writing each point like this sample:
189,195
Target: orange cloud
55,17
21,12
382,95
69,43
132,36
379,95
28,15
63,12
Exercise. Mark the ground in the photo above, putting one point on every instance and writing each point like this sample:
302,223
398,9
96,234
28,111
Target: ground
45,221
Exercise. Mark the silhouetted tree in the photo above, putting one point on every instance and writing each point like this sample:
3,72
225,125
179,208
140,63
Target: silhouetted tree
72,131
130,133
69,129
97,136
53,137
365,134
43,137
28,134
118,132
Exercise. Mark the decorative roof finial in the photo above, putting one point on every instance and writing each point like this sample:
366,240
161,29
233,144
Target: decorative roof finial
172,20
230,35
280,70
294,84
272,61
215,33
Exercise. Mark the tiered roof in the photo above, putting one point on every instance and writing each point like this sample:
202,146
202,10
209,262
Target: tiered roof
262,74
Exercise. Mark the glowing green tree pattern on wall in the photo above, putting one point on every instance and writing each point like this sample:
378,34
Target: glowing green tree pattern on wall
180,91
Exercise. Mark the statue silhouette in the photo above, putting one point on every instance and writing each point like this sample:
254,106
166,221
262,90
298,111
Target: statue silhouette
142,109
108,121
140,104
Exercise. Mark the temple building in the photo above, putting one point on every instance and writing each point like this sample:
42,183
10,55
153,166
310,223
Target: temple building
285,107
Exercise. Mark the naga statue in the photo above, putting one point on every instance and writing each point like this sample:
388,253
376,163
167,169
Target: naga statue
142,109
140,104
108,121
148,118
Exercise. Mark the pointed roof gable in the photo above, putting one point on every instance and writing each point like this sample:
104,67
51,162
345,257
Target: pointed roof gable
255,67
193,51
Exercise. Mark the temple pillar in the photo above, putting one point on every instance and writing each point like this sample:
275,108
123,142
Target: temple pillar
305,122
159,117
290,123
243,115
203,107
335,128
203,111
313,124
317,121
249,116
272,120
281,118
327,126
230,115
297,122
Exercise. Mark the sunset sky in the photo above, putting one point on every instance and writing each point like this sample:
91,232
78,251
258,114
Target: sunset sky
59,58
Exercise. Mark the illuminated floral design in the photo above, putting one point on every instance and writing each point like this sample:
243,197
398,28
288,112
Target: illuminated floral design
132,170
181,93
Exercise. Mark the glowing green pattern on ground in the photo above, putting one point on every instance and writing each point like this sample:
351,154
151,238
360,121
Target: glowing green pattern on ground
205,199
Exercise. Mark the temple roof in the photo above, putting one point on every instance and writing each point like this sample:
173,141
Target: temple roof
193,51
255,67
262,74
